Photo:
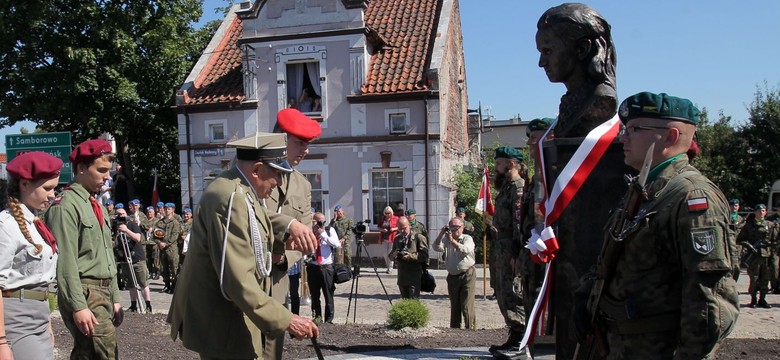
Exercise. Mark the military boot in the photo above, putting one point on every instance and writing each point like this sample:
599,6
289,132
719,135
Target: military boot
133,307
752,301
513,341
762,301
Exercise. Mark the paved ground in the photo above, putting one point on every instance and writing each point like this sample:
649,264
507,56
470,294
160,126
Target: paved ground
372,305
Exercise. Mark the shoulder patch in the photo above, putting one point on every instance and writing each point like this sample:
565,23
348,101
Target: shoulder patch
703,241
697,204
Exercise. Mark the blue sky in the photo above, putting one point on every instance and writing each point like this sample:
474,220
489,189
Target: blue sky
714,52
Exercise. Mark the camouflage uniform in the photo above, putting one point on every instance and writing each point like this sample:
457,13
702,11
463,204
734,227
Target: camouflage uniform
344,226
671,294
736,222
762,266
534,272
152,251
169,257
468,227
507,220
419,228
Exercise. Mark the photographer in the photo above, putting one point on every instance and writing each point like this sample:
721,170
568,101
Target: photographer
460,270
320,269
411,251
130,233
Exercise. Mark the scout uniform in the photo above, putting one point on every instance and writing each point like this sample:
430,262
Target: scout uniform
28,262
221,307
507,220
672,294
291,200
86,268
761,235
167,231
344,226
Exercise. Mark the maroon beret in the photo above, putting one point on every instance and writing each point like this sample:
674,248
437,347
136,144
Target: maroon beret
89,150
295,123
34,165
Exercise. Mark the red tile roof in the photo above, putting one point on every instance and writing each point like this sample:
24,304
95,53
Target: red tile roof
221,80
407,26
398,67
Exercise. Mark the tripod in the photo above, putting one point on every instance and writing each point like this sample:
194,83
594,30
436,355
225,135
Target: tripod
361,247
122,238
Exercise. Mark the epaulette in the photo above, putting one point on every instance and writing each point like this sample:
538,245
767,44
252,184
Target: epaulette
58,199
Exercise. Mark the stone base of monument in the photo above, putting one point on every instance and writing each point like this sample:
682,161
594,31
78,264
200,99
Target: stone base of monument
580,229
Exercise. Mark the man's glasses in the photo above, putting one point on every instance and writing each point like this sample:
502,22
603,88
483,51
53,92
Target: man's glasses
633,129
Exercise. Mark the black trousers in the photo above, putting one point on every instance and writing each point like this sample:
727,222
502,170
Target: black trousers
295,297
321,282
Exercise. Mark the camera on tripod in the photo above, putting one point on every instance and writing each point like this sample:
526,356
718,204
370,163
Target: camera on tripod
361,228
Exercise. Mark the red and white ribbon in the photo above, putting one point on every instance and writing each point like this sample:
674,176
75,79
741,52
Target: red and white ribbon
544,244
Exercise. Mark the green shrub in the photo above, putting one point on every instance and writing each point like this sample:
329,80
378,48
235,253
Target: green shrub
408,313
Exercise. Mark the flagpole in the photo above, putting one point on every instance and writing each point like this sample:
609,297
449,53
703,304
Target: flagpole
484,254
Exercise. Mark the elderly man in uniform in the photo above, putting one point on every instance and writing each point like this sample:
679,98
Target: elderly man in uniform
88,297
343,225
410,249
671,294
166,235
510,170
759,236
289,207
417,226
222,308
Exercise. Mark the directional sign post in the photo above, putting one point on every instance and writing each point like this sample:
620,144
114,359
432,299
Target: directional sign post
56,143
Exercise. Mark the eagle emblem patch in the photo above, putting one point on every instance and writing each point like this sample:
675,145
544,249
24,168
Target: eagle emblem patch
703,241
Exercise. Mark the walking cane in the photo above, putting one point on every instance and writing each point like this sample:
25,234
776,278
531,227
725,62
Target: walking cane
317,348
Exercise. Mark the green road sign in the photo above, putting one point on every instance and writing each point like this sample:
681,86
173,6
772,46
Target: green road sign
57,144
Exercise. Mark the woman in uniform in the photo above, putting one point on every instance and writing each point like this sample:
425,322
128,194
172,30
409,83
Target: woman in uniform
28,258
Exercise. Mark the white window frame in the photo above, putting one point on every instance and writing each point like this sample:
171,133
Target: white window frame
389,116
210,135
301,53
367,168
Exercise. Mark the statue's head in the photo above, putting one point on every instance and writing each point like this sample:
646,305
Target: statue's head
575,44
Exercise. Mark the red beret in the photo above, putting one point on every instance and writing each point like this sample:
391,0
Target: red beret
89,150
294,123
34,165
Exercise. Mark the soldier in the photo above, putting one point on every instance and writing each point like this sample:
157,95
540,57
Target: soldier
186,226
134,212
88,297
222,307
289,208
775,285
509,170
110,207
160,211
468,227
417,226
668,292
735,224
166,235
759,238
343,225
152,251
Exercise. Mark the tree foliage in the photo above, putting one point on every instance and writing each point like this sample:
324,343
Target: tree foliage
97,66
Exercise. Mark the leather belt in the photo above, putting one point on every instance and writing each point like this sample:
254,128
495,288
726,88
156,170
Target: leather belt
97,282
26,294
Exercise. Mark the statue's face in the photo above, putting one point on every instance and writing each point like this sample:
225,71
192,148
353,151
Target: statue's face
557,58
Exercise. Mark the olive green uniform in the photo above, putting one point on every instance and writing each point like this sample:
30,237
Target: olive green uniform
290,200
86,271
344,226
762,266
736,222
169,257
419,228
410,270
507,221
468,227
220,308
152,251
671,295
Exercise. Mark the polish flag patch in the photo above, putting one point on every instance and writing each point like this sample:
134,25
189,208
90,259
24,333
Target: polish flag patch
698,204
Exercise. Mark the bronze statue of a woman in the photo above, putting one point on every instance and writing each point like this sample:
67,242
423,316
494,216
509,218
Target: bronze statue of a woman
575,48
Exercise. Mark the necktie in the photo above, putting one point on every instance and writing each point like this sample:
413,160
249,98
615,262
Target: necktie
319,254
97,210
46,234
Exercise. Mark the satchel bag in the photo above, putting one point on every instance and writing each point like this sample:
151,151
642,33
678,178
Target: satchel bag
341,273
427,282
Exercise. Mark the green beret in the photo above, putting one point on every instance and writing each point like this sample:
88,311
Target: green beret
411,212
734,201
538,125
658,106
507,152
760,206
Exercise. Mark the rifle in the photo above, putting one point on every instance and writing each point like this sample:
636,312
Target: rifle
624,221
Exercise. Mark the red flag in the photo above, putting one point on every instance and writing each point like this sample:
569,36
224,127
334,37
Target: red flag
484,201
155,193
